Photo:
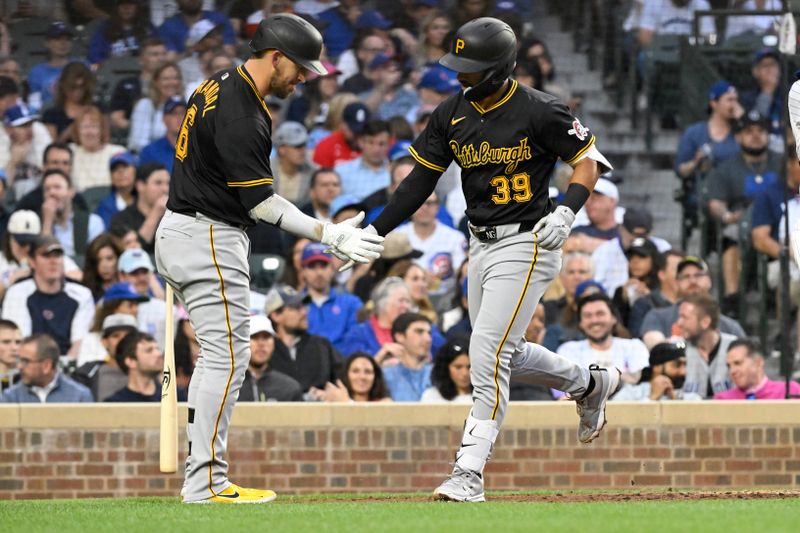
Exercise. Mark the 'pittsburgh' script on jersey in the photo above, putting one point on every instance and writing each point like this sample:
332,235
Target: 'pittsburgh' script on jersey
469,156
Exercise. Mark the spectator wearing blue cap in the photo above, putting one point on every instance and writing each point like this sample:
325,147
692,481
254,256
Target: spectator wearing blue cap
354,63
176,29
120,299
291,168
345,206
40,138
42,78
22,165
342,144
123,32
162,150
436,85
122,167
389,97
91,150
136,269
331,313
370,171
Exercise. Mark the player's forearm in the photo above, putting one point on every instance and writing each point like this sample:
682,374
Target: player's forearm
409,196
280,212
584,178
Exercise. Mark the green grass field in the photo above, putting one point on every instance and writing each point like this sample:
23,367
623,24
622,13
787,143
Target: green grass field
402,512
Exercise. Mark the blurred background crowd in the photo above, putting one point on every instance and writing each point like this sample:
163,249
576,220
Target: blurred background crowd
92,98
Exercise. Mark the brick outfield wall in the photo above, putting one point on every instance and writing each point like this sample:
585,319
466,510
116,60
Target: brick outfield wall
114,452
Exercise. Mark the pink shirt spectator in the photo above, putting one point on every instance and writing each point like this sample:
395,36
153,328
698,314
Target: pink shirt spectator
768,390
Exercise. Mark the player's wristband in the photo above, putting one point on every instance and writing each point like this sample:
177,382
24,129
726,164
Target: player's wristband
575,197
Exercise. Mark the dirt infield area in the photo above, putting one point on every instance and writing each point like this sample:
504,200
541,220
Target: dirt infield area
572,496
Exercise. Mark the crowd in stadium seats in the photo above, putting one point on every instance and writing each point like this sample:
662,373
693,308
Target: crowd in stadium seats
93,96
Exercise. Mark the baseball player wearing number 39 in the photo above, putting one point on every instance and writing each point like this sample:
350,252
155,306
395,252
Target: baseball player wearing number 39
506,138
221,184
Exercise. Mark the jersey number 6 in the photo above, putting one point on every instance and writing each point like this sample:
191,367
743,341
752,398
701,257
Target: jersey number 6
519,183
182,144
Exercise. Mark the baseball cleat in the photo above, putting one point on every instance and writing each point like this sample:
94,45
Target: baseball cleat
462,486
237,494
592,408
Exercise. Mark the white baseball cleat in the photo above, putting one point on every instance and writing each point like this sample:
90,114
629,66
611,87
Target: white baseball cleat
462,486
592,408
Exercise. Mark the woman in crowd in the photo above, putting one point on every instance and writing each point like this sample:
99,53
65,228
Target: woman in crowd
418,284
91,150
100,270
450,374
74,93
362,381
120,298
122,193
123,32
434,30
644,262
291,272
147,122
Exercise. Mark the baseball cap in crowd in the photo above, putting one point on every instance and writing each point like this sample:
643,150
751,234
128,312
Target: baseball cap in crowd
606,188
118,321
380,59
24,226
291,133
397,246
590,286
345,201
439,80
133,260
58,29
172,103
636,219
399,149
752,118
46,244
123,291
261,324
356,116
315,252
200,30
691,260
282,296
720,88
122,158
765,53
372,19
665,352
18,116
642,247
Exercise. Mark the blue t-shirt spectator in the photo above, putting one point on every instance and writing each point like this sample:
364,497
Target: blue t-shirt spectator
768,207
695,137
174,30
159,151
334,318
42,79
100,48
338,35
64,390
361,338
407,384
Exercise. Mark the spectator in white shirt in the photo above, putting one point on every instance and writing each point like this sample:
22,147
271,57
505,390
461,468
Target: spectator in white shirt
92,151
672,17
443,248
147,117
598,321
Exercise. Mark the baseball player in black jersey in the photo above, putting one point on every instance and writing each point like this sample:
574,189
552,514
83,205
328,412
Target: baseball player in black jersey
506,138
221,184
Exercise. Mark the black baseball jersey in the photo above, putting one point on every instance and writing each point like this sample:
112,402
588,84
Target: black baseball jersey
506,152
221,166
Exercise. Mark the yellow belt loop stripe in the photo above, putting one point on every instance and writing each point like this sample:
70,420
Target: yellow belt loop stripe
424,162
508,329
230,348
582,151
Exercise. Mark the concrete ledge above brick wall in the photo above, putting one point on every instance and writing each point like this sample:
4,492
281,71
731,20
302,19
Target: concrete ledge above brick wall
67,451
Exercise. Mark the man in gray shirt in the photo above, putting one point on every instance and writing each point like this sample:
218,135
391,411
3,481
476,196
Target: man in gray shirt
693,278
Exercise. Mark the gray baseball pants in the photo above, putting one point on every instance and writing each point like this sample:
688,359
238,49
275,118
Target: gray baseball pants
205,261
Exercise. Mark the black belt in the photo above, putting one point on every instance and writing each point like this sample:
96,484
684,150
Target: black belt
193,213
489,233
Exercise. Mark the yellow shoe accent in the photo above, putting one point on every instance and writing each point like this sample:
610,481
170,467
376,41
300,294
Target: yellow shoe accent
237,494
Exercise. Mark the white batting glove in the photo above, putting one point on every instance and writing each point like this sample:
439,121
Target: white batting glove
348,241
552,231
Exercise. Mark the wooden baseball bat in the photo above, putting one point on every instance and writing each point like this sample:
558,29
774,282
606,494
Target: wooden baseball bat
168,450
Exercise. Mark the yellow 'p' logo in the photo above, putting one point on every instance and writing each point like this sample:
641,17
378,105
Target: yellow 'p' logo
459,45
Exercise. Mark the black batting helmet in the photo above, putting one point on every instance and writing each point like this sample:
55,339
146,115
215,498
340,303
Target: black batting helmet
485,44
294,37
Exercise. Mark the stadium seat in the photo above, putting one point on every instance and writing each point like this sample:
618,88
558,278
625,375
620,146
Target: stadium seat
95,195
265,270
